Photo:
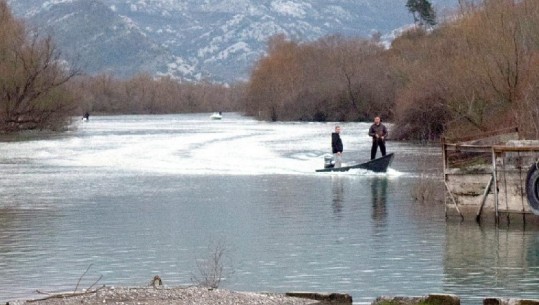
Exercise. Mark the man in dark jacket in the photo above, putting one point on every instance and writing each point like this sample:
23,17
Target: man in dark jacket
336,146
378,132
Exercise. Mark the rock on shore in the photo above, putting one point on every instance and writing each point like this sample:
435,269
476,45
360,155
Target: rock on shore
166,296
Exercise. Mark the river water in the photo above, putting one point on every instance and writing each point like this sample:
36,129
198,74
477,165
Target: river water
129,197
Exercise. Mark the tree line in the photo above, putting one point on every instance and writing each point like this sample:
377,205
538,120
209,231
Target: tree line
145,94
41,90
471,75
474,72
332,79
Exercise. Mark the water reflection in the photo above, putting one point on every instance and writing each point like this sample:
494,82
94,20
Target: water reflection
337,191
490,261
379,195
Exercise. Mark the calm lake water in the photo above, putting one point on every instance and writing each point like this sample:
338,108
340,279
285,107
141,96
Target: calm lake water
136,196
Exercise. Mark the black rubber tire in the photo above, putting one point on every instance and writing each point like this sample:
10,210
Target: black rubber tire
532,188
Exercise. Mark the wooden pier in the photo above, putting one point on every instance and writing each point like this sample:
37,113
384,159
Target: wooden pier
493,178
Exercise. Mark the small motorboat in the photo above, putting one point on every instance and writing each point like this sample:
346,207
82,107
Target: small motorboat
216,116
379,165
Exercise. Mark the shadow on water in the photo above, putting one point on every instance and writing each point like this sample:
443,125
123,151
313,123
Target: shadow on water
23,233
29,224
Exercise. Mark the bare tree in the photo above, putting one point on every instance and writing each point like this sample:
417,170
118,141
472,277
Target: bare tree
211,270
32,95
334,78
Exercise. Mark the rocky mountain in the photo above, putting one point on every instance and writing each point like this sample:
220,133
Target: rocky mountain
217,40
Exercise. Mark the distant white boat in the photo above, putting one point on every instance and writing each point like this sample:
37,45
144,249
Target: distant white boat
216,116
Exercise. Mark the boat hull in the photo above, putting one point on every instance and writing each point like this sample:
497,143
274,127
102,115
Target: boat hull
379,165
216,116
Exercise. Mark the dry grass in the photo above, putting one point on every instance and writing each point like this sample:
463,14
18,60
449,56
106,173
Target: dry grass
428,189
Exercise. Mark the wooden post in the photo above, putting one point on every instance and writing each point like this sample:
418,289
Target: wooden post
504,170
483,199
444,154
494,175
444,161
453,199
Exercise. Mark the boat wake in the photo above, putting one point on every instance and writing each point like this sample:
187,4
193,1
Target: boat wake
194,145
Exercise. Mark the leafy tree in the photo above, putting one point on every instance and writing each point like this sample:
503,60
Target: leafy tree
422,11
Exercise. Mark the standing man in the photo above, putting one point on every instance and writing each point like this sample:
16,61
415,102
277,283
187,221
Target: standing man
336,146
378,132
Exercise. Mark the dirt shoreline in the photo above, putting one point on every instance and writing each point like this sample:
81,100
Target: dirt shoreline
164,296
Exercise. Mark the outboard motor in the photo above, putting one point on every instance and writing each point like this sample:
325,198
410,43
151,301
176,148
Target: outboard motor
329,161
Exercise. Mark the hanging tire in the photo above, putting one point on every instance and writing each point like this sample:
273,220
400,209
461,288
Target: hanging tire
532,188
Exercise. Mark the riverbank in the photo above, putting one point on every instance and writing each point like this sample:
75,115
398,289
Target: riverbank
164,296
203,296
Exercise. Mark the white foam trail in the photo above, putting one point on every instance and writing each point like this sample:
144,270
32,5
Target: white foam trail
193,144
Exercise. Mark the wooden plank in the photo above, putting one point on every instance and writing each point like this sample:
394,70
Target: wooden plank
504,148
485,134
468,148
483,199
453,199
